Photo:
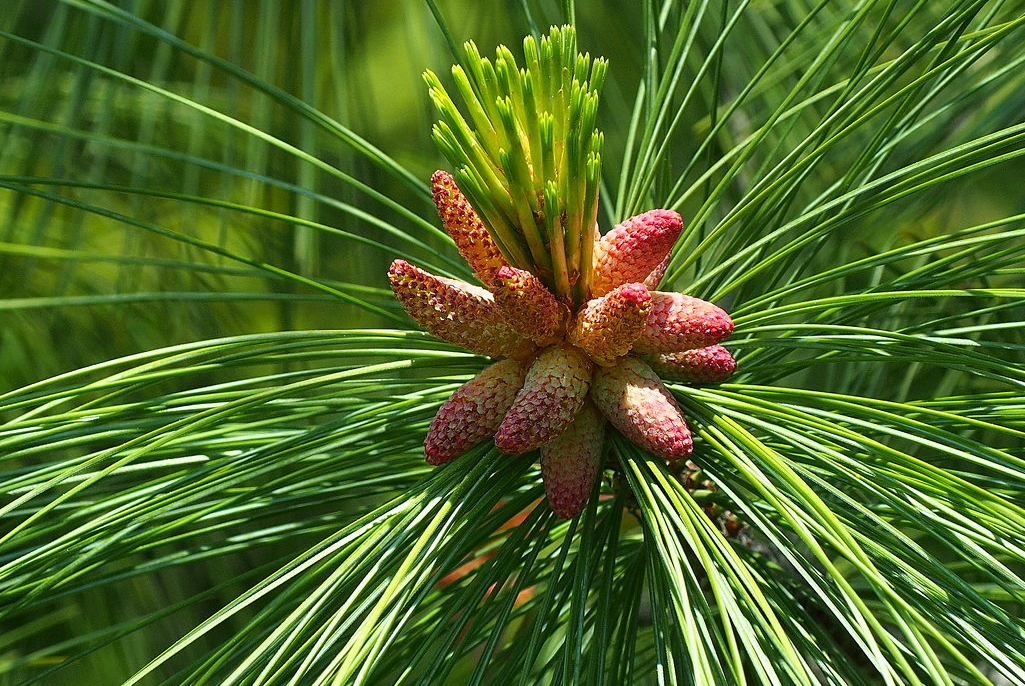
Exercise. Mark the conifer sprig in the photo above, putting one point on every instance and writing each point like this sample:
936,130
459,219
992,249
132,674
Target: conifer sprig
527,154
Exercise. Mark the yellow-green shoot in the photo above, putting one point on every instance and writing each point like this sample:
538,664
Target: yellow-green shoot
527,154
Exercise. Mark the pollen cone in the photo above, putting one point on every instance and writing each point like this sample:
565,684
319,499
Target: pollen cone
472,239
528,306
634,249
555,388
680,322
456,312
701,365
474,411
572,461
633,399
606,327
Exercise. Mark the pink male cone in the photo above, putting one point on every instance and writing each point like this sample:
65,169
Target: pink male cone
634,249
555,388
680,322
528,306
633,399
472,239
606,327
474,411
457,312
572,461
701,365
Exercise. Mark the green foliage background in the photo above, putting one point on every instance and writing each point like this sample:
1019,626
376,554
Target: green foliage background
213,407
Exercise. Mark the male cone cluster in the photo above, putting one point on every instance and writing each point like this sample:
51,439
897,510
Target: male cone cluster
561,374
